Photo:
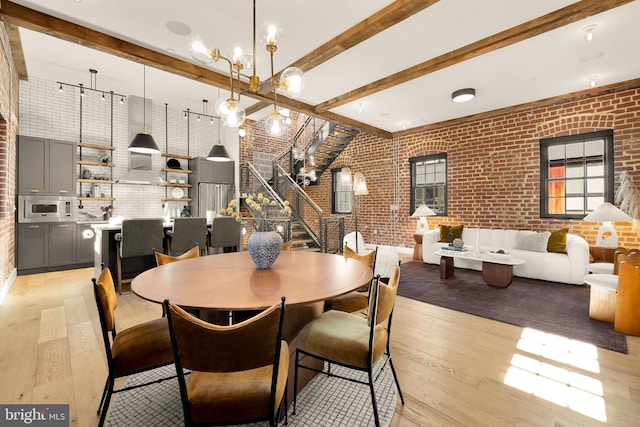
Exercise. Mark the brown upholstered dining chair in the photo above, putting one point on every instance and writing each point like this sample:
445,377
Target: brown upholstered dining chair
238,372
359,299
138,238
627,314
186,233
286,246
139,348
353,341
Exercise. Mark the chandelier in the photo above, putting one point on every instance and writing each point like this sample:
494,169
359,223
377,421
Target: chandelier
290,83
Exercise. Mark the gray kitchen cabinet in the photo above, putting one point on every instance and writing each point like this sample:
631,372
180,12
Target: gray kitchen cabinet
204,170
46,245
33,246
46,166
85,238
62,244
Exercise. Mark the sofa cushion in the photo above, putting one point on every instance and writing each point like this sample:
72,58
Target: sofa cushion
444,232
536,242
558,241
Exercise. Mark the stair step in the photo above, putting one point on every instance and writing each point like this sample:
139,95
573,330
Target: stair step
297,242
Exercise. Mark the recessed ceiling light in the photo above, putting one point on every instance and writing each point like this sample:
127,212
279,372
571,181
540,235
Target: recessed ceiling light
593,81
589,32
179,28
463,95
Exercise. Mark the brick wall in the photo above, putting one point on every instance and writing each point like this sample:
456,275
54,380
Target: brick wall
493,169
8,131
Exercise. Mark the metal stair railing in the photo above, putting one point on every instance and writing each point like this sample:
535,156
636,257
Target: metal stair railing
252,183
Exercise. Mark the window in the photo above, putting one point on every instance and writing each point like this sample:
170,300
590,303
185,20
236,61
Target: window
576,174
429,182
341,194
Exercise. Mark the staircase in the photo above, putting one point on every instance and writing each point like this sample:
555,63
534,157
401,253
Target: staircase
327,144
301,240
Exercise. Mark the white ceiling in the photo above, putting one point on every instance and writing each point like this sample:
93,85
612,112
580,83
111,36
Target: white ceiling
552,64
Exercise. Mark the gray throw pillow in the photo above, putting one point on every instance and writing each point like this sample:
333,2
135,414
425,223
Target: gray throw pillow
536,242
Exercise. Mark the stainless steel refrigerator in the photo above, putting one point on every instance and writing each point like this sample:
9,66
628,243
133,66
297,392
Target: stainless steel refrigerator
213,197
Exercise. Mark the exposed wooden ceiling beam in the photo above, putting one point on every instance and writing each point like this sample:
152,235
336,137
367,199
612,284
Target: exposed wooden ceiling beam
16,51
572,13
14,14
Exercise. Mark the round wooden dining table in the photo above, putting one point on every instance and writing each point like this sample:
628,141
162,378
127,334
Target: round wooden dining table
231,281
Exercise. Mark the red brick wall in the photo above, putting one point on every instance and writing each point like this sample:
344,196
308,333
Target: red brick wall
8,132
493,168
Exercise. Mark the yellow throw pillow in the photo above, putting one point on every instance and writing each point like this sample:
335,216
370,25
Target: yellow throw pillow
444,232
558,241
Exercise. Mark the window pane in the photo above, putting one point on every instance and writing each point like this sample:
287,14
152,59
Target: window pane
595,168
556,152
556,206
595,186
575,204
594,148
594,202
556,171
556,188
575,186
575,150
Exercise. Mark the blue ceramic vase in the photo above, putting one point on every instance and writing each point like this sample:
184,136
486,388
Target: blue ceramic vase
264,247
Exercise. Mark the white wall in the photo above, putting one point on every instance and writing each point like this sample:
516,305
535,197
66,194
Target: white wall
47,113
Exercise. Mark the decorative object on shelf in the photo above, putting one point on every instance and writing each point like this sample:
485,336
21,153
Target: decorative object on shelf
422,212
174,164
103,158
607,214
264,247
108,211
177,193
230,110
186,211
143,142
86,174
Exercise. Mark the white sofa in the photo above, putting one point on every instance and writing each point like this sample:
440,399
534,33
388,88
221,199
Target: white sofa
551,266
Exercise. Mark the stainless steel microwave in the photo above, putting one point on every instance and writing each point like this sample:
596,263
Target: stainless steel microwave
46,208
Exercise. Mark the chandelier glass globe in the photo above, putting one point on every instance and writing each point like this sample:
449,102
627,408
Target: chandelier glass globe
275,124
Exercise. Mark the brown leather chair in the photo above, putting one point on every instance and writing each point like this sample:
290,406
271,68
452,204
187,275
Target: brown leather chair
627,317
162,259
351,340
356,300
139,348
238,373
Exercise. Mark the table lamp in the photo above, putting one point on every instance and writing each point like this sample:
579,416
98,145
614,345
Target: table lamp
423,211
607,213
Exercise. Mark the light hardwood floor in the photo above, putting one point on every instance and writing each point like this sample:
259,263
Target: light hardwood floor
452,366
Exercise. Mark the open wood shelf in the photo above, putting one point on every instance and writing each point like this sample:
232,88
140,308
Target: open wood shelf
96,181
169,199
175,170
90,163
176,185
177,156
97,198
96,146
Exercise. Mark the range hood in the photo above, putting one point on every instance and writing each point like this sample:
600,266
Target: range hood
140,172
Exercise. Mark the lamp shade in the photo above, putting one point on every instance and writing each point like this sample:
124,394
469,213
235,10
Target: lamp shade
359,184
218,154
345,175
423,210
143,143
606,212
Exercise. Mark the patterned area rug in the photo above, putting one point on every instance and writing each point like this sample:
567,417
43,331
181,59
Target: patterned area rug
325,401
551,307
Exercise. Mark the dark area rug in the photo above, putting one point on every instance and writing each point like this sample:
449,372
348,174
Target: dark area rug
547,306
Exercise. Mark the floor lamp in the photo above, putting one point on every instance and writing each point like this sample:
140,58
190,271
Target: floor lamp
359,189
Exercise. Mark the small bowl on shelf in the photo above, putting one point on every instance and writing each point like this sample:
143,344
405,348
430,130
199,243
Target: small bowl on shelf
499,255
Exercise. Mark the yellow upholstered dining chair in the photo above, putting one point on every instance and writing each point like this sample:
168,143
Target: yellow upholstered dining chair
186,233
627,314
286,246
139,348
353,341
359,299
238,372
138,238
162,259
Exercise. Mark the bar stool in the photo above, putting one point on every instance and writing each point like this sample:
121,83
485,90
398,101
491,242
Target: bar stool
138,238
186,233
225,234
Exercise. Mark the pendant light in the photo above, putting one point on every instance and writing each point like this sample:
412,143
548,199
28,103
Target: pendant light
143,142
218,153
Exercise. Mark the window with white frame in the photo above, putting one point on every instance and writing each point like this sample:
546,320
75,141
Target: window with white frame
576,174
